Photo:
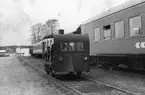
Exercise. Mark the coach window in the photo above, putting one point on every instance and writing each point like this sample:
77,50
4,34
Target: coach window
80,46
64,46
72,46
135,26
97,34
83,32
107,32
119,29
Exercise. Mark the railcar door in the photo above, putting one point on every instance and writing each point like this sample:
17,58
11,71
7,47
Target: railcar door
61,58
80,56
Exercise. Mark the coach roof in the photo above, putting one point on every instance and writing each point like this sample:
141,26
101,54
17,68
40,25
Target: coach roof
116,9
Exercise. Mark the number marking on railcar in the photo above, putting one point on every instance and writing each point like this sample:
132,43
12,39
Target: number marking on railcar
137,45
140,45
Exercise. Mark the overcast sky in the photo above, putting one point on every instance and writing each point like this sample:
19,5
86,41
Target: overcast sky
17,16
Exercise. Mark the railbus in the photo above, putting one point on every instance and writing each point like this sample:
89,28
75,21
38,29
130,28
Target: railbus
67,53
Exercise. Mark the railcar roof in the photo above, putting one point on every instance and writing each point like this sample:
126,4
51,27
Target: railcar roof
116,9
68,37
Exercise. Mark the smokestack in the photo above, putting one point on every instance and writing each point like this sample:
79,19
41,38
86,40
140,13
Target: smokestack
60,31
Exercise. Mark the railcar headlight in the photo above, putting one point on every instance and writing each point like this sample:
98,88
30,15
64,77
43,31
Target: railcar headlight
85,58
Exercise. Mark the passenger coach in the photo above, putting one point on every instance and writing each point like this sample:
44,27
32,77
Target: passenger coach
117,36
36,49
67,53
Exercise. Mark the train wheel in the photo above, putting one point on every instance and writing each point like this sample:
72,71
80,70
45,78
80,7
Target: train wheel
129,64
104,65
93,63
79,74
113,66
47,69
53,73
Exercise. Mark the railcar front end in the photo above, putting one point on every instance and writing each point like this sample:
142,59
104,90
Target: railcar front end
69,54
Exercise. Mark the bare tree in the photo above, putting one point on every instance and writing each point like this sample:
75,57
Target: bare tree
44,30
36,32
39,30
52,26
33,37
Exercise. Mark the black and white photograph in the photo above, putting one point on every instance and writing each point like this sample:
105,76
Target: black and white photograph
72,47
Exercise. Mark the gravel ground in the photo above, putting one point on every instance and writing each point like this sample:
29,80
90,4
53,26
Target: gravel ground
37,62
130,82
17,79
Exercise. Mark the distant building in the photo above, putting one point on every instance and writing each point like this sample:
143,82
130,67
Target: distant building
23,51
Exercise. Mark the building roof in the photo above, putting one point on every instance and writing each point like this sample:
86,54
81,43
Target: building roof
127,4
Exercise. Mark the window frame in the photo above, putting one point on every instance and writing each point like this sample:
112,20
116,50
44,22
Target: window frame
140,31
66,47
74,47
110,37
115,29
82,46
97,36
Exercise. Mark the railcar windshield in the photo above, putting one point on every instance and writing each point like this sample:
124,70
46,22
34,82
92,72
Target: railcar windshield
72,46
64,46
80,46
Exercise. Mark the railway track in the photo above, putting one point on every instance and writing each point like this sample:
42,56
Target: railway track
73,85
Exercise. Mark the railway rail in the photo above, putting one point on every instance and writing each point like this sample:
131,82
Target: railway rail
73,85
